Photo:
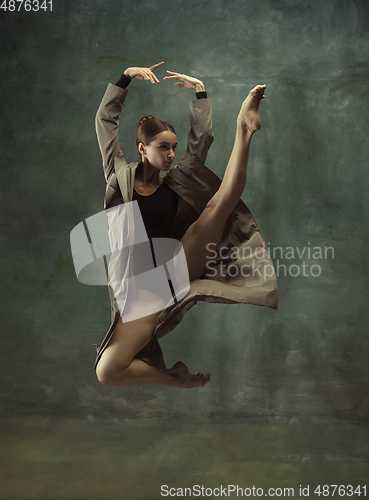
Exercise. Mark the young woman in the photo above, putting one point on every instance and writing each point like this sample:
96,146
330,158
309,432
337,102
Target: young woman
192,205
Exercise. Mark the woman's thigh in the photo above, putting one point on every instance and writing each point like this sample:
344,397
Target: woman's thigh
208,228
127,340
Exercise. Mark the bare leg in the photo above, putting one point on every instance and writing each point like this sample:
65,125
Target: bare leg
208,228
117,366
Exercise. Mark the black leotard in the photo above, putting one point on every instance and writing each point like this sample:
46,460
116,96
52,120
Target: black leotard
158,211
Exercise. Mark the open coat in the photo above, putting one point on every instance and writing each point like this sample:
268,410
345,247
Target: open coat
242,273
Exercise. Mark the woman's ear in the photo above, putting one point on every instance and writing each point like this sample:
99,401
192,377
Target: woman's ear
141,148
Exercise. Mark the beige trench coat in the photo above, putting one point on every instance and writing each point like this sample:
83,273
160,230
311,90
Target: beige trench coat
194,184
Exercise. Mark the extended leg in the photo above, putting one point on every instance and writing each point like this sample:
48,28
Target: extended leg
210,225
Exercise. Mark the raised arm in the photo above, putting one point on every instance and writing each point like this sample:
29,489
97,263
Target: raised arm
201,134
107,116
107,122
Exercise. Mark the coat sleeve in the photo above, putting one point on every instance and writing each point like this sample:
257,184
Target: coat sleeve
107,122
201,134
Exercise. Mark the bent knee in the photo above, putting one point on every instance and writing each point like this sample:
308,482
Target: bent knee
109,375
103,376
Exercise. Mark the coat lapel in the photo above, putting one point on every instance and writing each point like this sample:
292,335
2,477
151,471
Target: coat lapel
125,177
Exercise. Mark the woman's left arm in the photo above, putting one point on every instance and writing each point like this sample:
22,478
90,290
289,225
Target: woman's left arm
201,134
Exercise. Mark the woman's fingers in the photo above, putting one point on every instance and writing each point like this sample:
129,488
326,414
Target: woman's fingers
176,78
149,75
154,78
153,68
145,74
150,71
175,75
188,81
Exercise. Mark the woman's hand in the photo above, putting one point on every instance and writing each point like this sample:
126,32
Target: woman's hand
188,81
143,73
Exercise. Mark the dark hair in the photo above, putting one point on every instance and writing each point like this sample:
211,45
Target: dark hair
149,127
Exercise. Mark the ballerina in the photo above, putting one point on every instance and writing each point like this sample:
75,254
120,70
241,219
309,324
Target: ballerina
118,361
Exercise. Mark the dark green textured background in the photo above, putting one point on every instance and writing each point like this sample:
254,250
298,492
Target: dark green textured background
300,371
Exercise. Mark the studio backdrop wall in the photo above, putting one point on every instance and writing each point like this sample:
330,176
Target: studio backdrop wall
307,186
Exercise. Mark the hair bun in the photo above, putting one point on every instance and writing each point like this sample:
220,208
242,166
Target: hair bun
145,119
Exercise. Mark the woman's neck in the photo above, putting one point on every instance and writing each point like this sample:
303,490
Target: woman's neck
147,175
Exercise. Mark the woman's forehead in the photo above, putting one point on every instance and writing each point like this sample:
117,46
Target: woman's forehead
166,136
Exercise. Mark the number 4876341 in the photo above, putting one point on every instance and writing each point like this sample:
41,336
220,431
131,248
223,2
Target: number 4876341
26,5
340,490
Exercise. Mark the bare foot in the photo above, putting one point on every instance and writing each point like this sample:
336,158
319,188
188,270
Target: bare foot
183,378
249,114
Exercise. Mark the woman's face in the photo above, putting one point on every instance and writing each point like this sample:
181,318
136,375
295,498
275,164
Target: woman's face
161,151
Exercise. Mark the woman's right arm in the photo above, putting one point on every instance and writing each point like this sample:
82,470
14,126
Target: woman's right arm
107,116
